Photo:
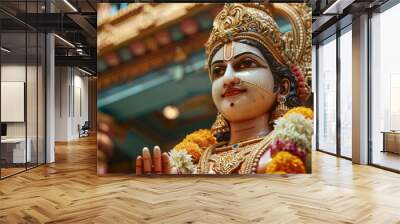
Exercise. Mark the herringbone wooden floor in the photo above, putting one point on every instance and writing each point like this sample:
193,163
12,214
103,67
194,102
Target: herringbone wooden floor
69,191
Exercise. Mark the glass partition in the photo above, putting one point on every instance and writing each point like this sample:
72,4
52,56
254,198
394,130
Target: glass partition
22,88
14,153
314,90
385,89
346,92
31,97
327,95
41,96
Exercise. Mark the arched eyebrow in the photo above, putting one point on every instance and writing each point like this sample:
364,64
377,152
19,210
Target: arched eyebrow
248,52
237,56
217,62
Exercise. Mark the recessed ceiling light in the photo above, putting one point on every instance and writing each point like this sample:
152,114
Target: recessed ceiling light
5,50
84,71
70,5
65,41
337,7
171,112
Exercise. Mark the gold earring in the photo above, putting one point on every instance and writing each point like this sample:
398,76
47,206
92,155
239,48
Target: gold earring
281,109
220,126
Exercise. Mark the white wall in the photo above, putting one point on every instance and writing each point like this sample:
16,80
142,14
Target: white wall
80,102
61,103
33,126
12,72
16,73
71,94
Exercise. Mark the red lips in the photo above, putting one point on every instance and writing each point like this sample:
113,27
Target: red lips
232,91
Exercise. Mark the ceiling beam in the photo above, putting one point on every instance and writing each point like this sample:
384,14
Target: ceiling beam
78,61
84,24
337,7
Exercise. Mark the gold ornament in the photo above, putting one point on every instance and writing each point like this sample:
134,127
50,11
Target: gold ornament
255,21
241,158
220,126
281,109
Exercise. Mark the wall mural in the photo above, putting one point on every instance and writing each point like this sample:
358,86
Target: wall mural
209,89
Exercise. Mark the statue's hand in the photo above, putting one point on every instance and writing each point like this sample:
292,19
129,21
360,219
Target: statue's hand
158,163
105,134
104,138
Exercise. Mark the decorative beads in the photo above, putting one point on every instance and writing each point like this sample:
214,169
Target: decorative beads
302,90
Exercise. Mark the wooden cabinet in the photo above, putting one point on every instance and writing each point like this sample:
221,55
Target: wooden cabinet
391,142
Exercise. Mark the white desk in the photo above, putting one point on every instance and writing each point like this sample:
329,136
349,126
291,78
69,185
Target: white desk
18,149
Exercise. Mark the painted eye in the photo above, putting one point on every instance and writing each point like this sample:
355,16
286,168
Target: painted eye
218,71
247,63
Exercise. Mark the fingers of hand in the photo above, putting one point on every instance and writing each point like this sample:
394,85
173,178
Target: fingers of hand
157,166
155,162
104,127
165,163
147,161
139,165
105,143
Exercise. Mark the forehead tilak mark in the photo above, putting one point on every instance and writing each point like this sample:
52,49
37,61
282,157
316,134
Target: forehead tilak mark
228,51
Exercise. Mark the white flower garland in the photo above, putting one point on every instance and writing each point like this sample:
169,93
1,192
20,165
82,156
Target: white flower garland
182,161
294,128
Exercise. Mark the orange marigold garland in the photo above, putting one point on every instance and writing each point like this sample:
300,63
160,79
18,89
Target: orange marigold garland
203,138
290,147
285,162
191,148
196,142
291,142
306,112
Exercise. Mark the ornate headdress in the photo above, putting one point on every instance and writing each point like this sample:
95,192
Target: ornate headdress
256,22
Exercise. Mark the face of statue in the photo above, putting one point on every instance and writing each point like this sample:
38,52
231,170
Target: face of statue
242,82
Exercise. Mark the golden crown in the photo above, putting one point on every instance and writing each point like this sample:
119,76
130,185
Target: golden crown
256,22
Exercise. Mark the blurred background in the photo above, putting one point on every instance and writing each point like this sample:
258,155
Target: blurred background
153,88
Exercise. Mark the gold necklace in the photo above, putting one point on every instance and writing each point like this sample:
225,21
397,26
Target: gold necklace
237,145
229,158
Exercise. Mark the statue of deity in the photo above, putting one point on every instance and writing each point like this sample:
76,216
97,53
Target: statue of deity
258,76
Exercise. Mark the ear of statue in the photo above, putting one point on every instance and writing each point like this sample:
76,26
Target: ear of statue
281,108
284,88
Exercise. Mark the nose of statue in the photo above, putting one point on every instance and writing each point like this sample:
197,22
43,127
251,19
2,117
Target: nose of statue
231,81
229,77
